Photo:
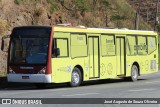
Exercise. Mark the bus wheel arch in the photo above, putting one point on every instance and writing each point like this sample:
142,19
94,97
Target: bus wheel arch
76,76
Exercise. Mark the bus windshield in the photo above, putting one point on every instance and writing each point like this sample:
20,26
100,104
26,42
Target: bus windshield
29,50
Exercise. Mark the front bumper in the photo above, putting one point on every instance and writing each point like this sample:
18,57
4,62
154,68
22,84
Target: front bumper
32,78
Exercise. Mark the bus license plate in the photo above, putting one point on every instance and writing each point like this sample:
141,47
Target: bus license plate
25,77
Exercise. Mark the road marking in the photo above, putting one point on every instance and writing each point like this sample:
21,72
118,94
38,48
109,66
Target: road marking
142,90
81,94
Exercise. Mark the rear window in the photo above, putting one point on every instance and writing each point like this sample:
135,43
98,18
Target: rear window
151,44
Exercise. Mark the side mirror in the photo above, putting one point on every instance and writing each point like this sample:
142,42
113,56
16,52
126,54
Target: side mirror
56,52
2,44
5,43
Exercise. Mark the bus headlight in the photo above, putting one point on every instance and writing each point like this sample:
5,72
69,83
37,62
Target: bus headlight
42,71
11,71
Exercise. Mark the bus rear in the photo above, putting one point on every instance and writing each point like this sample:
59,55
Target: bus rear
29,54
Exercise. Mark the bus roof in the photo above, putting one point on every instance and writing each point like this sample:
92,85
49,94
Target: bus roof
104,30
78,29
32,26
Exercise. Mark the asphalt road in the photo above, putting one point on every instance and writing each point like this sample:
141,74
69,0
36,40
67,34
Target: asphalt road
148,86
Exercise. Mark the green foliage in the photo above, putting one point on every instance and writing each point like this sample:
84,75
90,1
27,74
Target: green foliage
158,27
117,17
105,3
52,7
82,5
18,2
50,1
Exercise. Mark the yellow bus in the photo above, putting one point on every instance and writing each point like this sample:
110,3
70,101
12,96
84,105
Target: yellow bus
46,54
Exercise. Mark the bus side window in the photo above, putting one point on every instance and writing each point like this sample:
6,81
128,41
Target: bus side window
142,45
78,41
151,44
131,45
60,46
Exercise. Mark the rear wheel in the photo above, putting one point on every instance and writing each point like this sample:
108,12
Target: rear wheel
134,73
76,77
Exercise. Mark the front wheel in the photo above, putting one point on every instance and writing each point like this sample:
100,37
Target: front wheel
134,73
76,78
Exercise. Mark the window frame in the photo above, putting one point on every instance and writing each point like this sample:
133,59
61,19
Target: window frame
54,45
155,44
129,45
71,34
155,36
146,44
114,44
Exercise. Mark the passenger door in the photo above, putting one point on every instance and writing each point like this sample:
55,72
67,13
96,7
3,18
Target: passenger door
121,56
94,57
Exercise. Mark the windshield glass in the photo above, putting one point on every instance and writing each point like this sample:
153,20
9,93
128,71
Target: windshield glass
29,50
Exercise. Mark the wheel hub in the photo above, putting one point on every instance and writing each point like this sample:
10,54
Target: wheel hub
134,73
75,77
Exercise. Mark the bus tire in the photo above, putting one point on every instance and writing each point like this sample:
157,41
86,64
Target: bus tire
76,77
134,73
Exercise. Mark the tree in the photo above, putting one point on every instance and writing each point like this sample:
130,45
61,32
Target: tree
105,8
